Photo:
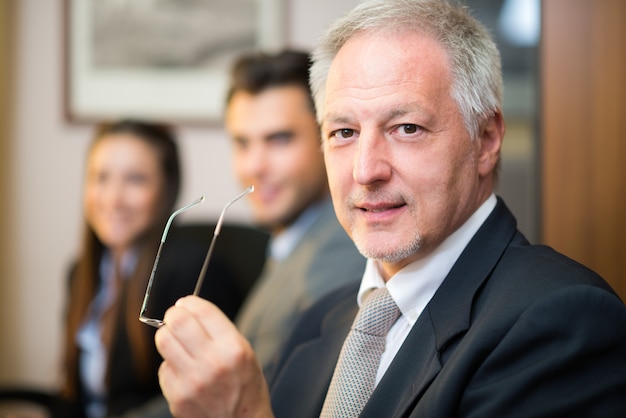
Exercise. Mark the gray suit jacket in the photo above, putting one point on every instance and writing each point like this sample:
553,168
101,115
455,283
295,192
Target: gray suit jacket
515,330
324,260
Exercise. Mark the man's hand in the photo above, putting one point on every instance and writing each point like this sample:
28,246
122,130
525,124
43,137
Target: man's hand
209,368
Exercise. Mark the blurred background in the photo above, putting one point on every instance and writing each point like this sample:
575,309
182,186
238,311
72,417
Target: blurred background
563,159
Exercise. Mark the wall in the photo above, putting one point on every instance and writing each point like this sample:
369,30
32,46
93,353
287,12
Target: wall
6,186
583,148
41,171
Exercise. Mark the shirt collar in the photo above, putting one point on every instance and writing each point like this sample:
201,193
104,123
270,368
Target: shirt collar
127,264
414,285
282,244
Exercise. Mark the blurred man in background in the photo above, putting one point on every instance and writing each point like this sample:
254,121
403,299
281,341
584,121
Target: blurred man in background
270,117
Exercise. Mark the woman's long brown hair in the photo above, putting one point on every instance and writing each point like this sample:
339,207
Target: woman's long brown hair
85,279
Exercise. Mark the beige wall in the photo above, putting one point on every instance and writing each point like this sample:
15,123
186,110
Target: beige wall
583,148
41,165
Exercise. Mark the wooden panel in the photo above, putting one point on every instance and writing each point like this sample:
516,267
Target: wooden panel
7,325
583,133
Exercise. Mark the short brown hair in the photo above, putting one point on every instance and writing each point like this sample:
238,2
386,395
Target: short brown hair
256,72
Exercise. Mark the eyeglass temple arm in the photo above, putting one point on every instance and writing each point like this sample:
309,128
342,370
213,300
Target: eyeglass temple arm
218,228
144,305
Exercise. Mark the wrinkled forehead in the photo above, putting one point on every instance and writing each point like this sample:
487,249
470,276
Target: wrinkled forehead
371,65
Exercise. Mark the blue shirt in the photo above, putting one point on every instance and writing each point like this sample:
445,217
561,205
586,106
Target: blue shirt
93,354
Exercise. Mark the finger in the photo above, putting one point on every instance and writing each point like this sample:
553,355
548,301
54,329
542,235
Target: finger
171,386
227,348
177,340
213,321
199,328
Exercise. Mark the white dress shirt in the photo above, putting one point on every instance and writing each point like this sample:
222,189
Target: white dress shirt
413,286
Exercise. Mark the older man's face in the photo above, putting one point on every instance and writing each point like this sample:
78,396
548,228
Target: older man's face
403,171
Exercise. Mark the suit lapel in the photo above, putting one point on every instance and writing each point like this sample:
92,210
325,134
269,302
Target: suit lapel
446,318
304,386
413,368
300,385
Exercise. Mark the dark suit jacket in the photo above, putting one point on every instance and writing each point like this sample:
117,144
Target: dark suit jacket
179,267
515,330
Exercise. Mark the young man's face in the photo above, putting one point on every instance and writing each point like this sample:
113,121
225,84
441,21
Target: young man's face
276,148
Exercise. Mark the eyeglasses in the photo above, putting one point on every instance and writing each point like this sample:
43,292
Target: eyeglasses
159,322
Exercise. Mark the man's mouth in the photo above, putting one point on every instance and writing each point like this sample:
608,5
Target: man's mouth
380,207
265,193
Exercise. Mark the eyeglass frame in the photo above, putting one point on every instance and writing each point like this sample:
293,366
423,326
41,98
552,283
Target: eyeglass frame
157,323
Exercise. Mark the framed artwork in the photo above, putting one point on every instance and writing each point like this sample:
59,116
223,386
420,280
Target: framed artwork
162,60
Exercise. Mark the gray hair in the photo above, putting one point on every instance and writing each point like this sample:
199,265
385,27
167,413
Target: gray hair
476,69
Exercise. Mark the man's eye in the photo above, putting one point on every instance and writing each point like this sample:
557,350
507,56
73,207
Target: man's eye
344,133
409,128
98,178
240,143
282,137
137,178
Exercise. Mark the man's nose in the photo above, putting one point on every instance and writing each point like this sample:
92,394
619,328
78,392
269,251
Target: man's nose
371,162
256,160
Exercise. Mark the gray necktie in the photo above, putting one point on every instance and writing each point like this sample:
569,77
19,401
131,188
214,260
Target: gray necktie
355,373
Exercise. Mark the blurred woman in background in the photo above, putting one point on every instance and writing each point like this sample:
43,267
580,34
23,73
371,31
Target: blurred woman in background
131,184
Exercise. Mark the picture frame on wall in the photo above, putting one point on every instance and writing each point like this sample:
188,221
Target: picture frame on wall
162,60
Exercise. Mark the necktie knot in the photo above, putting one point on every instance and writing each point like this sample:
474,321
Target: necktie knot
377,314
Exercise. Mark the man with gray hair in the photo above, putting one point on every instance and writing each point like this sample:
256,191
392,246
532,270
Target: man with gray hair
469,318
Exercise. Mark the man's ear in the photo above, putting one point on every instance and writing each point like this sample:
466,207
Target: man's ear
490,138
